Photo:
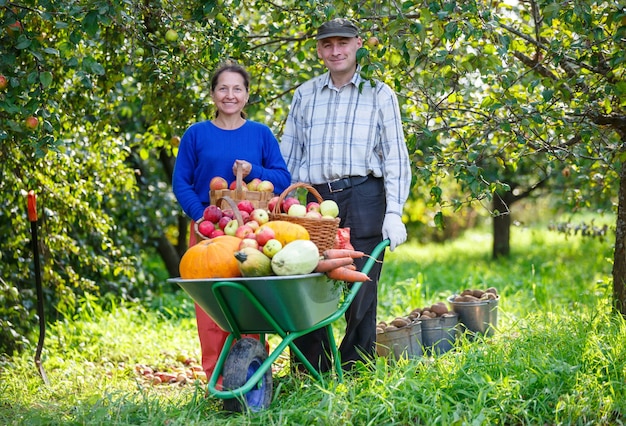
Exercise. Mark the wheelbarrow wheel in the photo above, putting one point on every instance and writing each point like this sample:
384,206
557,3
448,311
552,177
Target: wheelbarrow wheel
243,360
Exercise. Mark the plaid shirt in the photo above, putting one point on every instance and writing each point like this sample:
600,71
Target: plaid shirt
355,130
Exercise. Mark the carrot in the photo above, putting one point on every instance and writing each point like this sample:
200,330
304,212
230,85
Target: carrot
344,274
338,253
325,265
351,267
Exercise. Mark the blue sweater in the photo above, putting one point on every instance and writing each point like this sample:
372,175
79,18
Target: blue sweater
207,151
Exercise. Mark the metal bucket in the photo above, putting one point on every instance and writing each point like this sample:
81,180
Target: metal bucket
405,341
477,317
439,334
295,302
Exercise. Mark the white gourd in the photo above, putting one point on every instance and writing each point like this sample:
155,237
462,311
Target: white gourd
298,257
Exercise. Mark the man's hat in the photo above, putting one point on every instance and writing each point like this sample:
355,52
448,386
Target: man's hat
338,27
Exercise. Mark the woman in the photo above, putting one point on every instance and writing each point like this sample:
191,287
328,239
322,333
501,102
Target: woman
215,148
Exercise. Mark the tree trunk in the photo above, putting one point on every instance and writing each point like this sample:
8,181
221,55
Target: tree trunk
170,256
502,224
619,255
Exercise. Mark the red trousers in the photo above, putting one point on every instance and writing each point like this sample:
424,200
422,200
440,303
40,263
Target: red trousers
212,337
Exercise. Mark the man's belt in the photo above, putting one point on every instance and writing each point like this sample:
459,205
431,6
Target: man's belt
341,184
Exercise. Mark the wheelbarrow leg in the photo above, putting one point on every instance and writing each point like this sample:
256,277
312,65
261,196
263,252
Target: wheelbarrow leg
335,352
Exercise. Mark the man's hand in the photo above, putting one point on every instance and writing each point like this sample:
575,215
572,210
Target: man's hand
394,229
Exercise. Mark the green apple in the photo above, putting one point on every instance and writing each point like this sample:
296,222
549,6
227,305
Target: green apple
329,208
271,247
297,210
231,228
171,35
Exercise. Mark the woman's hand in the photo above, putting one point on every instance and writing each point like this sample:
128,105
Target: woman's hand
246,168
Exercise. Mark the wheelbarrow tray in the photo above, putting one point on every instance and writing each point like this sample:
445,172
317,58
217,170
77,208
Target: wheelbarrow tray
295,302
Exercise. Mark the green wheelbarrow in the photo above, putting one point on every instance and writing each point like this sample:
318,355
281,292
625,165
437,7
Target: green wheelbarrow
290,306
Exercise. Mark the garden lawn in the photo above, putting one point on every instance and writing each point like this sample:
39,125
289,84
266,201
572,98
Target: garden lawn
557,356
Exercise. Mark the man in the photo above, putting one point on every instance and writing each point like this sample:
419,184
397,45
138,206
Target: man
344,136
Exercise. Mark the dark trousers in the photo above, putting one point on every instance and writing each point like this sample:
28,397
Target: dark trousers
362,209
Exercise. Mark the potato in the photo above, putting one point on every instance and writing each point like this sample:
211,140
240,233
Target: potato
492,290
466,298
390,328
400,322
439,308
478,293
467,292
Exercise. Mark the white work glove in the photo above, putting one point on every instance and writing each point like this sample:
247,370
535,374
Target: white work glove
394,229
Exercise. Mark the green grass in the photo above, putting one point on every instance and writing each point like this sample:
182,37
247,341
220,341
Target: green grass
556,358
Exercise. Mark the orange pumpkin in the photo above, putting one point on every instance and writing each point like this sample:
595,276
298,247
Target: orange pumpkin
287,232
214,258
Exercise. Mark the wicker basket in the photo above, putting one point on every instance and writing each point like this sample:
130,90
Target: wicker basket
218,202
322,231
259,199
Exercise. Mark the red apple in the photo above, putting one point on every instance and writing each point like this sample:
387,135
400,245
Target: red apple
249,242
245,216
288,202
217,183
229,213
3,82
245,206
205,228
31,122
231,228
233,186
265,186
253,184
243,231
15,28
217,233
272,203
261,216
212,214
223,222
313,206
253,224
264,234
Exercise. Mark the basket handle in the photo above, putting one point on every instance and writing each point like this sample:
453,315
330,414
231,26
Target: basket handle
238,181
232,205
218,203
293,187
